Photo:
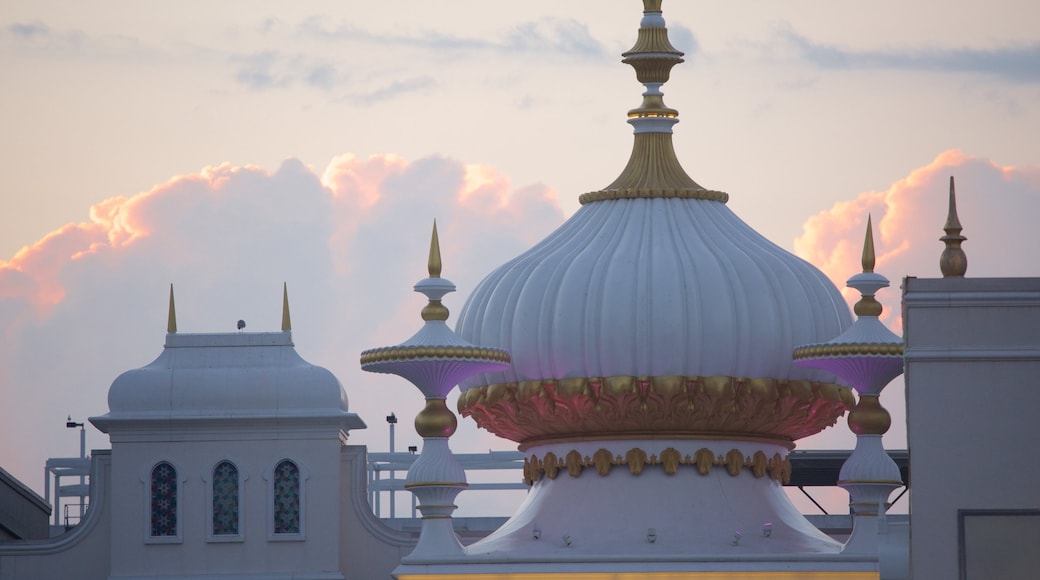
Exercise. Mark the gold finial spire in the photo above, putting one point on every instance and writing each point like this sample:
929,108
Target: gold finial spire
171,322
286,321
434,264
953,262
868,248
867,304
653,170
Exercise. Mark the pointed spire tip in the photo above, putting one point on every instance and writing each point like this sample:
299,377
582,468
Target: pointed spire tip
171,321
868,259
434,264
286,321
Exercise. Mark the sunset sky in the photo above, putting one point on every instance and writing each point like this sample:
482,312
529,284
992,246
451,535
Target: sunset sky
227,147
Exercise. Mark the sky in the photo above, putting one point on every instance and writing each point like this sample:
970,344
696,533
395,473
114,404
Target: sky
229,147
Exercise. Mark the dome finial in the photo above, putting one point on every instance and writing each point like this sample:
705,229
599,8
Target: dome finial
867,282
434,263
953,263
868,248
653,170
171,321
286,321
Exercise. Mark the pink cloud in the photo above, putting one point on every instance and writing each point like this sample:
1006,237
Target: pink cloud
996,205
88,301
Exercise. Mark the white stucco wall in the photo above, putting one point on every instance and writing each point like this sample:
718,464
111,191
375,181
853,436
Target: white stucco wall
973,394
258,552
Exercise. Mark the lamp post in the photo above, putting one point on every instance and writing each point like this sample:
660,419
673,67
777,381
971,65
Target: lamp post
70,424
391,420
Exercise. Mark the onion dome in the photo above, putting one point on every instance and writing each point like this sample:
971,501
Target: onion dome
654,307
224,377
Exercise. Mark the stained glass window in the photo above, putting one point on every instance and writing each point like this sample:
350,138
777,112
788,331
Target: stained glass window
164,500
287,498
225,499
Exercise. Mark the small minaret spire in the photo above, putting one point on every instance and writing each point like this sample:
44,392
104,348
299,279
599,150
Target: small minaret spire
434,263
171,322
953,262
868,248
286,321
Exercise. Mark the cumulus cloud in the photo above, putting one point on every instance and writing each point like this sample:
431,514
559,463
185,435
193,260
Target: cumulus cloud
997,206
88,301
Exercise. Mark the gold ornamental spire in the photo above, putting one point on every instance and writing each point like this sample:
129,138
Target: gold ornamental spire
953,262
433,265
286,321
868,248
867,304
171,319
435,309
653,170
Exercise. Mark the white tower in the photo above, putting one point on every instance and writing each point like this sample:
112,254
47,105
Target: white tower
435,360
867,355
225,459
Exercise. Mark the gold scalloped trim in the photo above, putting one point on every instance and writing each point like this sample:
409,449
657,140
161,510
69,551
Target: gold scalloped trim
683,407
847,349
670,460
611,194
405,353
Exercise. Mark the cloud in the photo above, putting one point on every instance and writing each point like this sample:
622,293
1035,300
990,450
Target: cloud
393,90
28,30
1012,63
88,301
545,36
997,206
682,38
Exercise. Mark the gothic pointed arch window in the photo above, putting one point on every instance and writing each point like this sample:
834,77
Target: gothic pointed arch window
163,504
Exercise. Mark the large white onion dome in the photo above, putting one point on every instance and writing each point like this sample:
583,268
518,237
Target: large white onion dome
656,298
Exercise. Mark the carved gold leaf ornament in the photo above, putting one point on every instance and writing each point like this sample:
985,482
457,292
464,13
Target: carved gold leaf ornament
670,461
546,410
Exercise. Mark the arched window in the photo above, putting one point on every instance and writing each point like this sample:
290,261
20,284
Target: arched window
286,498
164,500
225,499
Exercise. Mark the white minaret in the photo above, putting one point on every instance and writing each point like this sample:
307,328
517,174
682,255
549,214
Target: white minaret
867,355
435,359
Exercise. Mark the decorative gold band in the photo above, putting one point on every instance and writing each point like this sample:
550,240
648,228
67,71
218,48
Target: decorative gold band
550,465
657,435
610,194
402,353
867,348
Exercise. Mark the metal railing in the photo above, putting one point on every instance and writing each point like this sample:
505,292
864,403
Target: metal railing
390,464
